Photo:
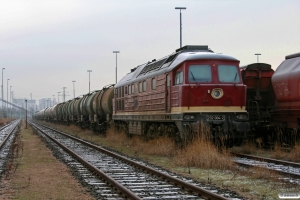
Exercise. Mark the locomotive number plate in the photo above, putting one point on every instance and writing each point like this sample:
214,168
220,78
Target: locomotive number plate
215,118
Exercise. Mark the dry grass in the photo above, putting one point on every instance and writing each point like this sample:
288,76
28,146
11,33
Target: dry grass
199,153
263,173
204,154
4,121
295,152
163,146
292,155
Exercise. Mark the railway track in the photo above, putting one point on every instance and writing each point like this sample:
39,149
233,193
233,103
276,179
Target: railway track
7,135
110,175
290,170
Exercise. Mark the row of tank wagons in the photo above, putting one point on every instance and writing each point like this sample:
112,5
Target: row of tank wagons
93,108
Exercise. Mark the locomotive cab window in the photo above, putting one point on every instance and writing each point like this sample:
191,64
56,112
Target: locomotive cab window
228,74
199,73
179,78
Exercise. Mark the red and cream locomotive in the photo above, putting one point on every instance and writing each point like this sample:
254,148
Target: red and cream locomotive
192,86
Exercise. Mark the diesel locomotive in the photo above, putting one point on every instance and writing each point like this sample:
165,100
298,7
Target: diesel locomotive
173,95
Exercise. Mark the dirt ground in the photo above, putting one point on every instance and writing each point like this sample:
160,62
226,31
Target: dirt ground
37,174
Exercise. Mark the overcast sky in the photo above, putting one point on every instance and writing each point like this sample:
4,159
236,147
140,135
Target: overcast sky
45,45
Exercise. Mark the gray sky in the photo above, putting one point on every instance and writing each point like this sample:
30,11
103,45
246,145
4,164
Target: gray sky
44,45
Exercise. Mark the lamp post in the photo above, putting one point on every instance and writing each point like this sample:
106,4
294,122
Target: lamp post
116,52
53,100
74,88
2,87
257,54
64,94
58,97
89,71
11,107
26,114
180,8
10,97
7,95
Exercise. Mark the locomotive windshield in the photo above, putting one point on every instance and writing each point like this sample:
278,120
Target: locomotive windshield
228,74
199,73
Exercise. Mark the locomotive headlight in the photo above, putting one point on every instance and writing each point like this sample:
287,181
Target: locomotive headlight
189,117
217,93
242,116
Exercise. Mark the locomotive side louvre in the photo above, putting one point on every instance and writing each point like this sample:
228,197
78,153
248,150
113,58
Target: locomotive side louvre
170,91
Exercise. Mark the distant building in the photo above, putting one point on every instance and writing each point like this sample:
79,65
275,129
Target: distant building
31,104
46,102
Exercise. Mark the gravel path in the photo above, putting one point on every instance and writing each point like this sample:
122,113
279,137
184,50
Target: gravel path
37,174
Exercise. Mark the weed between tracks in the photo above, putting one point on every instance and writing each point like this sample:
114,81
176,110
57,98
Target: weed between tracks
194,154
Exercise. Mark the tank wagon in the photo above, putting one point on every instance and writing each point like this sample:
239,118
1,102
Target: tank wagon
176,93
286,85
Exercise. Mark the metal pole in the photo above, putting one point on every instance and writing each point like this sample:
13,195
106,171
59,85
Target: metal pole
26,115
116,52
89,71
74,88
64,94
7,95
2,88
10,105
180,8
10,96
180,30
116,68
257,54
58,97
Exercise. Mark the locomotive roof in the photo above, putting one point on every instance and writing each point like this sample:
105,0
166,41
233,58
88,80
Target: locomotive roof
168,63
